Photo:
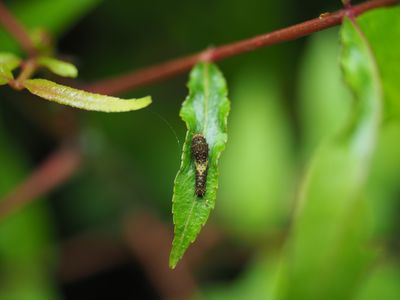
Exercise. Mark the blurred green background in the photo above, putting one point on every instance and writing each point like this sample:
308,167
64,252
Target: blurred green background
106,232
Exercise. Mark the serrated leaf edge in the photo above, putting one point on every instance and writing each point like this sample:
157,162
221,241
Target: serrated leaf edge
173,264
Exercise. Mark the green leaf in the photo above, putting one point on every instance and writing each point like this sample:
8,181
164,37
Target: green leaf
8,62
328,249
382,29
5,75
383,184
323,98
26,236
259,134
77,98
257,281
382,283
205,111
58,67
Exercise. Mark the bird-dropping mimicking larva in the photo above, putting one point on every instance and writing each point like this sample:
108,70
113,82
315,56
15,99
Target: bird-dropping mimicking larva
200,155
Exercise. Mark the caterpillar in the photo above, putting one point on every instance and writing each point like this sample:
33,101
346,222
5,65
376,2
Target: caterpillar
200,154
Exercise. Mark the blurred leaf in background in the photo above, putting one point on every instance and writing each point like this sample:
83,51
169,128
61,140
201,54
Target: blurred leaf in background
383,187
26,256
327,252
257,171
8,62
259,280
381,283
386,48
324,102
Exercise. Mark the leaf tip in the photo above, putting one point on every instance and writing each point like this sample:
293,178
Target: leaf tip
71,72
172,263
59,67
174,258
145,101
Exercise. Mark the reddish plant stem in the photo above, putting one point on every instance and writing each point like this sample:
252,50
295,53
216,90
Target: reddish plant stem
57,168
152,251
174,67
346,3
27,70
90,253
94,252
16,29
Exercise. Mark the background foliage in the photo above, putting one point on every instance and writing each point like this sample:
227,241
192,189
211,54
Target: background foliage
286,101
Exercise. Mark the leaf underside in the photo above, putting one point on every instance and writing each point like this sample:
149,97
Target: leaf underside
205,112
81,99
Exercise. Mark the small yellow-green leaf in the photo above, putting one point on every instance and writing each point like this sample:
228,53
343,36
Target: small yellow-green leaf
58,67
205,112
81,99
5,75
8,62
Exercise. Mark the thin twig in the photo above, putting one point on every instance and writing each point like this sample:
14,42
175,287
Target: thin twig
152,250
57,168
28,68
174,67
90,253
16,29
93,252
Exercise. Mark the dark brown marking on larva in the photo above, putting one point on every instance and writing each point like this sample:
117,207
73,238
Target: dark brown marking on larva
200,155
